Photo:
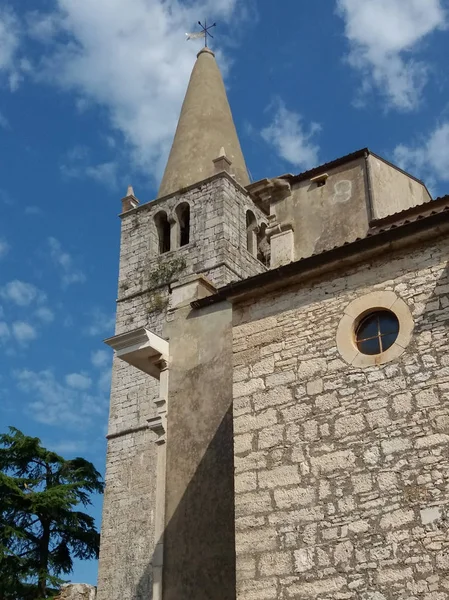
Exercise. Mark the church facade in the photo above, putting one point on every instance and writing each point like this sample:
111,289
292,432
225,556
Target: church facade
279,417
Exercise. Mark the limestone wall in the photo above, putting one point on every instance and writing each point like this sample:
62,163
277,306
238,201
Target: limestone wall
127,533
217,238
342,480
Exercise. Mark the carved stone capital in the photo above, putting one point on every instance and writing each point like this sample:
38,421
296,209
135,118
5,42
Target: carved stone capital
269,191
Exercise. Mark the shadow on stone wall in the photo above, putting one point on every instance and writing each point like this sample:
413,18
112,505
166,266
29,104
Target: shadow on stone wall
199,540
145,587
430,317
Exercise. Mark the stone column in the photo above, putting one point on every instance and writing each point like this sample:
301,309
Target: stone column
159,426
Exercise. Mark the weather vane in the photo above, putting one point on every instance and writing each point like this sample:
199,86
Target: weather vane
202,34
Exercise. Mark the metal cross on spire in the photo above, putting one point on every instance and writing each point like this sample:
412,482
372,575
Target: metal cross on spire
205,29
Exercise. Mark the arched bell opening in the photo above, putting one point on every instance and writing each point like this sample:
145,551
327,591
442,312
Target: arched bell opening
163,231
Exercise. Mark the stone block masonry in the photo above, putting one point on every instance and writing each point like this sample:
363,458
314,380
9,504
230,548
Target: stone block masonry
217,245
341,473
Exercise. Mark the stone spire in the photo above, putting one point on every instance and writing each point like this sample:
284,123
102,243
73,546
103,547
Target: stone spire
205,129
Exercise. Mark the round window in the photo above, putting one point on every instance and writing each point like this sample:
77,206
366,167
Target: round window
377,332
375,329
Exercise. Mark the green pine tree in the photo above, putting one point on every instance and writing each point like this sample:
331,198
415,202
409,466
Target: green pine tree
41,526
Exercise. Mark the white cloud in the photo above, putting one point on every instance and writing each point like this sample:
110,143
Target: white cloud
25,294
68,321
104,381
10,39
129,57
110,141
32,210
77,166
102,323
42,27
105,173
291,139
4,123
78,381
23,332
384,36
5,197
5,333
427,158
44,314
100,358
56,403
63,260
73,447
21,293
4,248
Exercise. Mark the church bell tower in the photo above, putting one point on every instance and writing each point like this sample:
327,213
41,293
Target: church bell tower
168,517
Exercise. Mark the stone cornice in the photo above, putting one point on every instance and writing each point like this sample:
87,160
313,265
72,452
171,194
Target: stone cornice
163,199
142,349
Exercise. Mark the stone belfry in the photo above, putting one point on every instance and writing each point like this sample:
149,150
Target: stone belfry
168,517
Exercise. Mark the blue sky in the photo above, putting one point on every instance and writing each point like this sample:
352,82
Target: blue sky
89,98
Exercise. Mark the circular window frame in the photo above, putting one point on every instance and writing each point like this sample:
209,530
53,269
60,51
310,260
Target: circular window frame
356,311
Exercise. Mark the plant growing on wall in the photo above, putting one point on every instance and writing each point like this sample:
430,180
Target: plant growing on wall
41,525
166,271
